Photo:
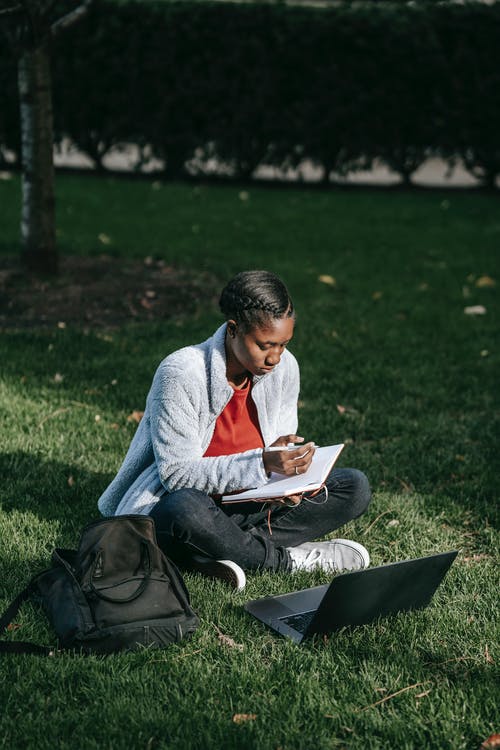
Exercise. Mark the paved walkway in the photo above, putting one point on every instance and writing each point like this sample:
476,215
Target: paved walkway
433,173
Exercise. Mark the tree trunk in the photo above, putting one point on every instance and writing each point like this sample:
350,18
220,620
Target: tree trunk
39,252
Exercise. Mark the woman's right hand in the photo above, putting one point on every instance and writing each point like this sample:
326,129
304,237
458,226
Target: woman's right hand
288,461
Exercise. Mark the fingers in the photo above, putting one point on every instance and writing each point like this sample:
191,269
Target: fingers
282,460
285,440
298,461
301,458
294,439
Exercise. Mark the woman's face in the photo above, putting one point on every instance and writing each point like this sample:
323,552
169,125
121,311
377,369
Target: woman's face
260,349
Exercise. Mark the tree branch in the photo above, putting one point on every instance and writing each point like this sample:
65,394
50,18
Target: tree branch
70,18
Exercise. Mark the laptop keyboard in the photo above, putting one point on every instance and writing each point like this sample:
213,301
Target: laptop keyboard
299,622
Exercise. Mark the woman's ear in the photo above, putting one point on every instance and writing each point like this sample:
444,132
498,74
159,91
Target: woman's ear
231,328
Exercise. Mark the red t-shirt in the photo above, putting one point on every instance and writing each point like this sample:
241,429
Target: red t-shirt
237,427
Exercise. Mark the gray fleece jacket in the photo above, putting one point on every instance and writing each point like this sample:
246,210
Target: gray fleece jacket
188,393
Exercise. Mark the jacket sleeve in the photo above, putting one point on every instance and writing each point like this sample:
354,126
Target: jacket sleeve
176,435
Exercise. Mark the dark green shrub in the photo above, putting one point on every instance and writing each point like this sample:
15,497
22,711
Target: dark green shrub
253,84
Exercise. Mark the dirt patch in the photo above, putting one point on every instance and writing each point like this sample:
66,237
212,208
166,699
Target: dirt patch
102,292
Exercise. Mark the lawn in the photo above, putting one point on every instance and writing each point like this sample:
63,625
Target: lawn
391,364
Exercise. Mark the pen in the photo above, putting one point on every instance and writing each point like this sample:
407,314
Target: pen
289,447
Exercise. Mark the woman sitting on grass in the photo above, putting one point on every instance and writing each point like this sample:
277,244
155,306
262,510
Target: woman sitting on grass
211,411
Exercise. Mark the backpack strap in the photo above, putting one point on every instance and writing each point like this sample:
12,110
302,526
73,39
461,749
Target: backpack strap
20,647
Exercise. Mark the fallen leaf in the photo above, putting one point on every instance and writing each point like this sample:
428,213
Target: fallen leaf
61,324
325,278
393,522
97,418
150,293
491,743
346,409
104,239
136,416
114,426
485,281
13,626
104,337
226,640
71,480
484,352
476,558
242,718
58,378
146,303
487,655
475,310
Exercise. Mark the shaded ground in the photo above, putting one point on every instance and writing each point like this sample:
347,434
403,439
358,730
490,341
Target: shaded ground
101,292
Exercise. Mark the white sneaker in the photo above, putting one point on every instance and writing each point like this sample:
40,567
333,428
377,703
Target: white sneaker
334,556
226,570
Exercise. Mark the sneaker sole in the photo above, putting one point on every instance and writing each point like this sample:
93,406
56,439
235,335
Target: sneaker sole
225,570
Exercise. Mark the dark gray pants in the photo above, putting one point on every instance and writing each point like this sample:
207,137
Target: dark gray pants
190,522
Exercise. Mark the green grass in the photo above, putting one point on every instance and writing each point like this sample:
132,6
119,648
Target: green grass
419,382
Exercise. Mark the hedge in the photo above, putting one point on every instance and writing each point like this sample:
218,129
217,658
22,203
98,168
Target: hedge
275,84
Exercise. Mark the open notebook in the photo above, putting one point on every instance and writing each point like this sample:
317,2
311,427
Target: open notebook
280,486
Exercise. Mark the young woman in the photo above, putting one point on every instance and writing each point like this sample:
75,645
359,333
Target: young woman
211,410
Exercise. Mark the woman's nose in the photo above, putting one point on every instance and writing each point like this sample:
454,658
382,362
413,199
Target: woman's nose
273,358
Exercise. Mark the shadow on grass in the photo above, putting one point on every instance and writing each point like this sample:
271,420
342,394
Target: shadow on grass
52,491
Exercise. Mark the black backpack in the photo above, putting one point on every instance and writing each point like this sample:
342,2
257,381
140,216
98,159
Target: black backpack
117,591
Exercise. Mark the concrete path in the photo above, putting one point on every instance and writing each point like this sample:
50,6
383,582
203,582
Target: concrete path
433,173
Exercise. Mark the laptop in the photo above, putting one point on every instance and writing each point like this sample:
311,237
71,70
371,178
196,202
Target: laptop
354,598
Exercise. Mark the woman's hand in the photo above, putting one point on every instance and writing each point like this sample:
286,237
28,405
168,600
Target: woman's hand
289,501
288,461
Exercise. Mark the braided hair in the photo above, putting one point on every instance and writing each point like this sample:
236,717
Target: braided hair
252,298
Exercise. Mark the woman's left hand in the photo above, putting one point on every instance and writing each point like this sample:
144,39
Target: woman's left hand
289,501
